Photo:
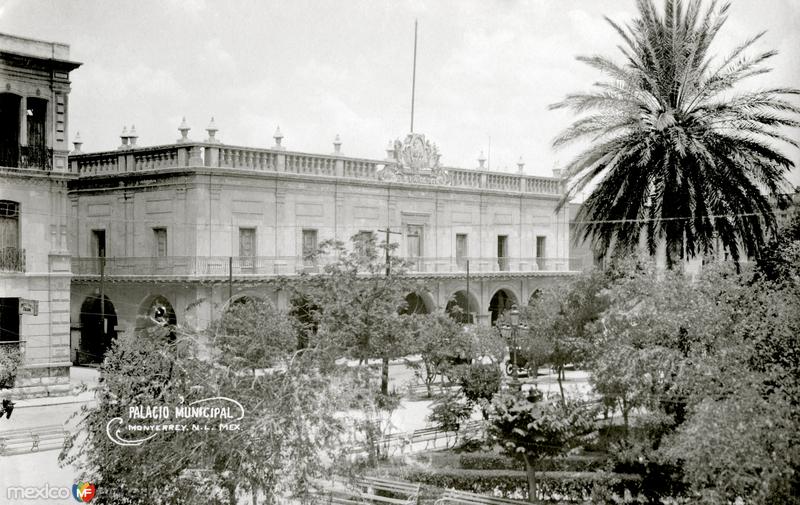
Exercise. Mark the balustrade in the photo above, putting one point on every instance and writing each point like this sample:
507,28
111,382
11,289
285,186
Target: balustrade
275,160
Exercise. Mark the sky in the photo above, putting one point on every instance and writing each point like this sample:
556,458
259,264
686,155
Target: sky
486,69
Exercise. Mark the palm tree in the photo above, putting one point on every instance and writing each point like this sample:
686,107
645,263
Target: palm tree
677,156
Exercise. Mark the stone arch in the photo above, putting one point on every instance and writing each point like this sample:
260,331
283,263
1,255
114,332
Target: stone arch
501,301
243,298
146,316
463,306
418,302
98,329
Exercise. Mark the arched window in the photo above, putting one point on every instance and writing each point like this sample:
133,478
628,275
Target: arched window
9,129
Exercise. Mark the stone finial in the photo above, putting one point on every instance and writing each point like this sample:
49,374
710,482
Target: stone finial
278,136
337,145
77,143
390,151
212,131
520,165
132,135
124,138
184,129
558,173
481,161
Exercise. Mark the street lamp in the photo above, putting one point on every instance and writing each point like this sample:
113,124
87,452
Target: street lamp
514,325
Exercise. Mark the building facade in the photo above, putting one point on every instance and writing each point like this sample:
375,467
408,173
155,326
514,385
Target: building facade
34,256
192,226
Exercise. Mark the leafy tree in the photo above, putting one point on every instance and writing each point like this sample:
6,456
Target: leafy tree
289,436
437,339
255,334
356,302
530,429
449,411
676,156
479,383
715,360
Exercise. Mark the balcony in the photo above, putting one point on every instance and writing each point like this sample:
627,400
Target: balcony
31,157
12,259
268,266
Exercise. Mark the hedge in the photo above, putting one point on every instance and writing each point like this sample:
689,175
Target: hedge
571,486
495,461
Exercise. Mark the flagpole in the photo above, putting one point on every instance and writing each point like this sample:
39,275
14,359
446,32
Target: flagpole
414,77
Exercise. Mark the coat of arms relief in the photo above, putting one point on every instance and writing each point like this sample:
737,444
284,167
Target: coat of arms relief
416,160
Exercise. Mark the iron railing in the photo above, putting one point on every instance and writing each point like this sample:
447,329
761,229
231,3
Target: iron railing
12,259
212,266
36,157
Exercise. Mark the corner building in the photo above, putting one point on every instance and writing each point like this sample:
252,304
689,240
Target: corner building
34,255
193,226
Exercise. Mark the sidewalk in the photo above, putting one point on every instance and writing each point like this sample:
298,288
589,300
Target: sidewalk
82,381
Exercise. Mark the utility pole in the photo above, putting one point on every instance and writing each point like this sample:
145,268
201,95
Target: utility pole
230,278
387,231
469,313
385,360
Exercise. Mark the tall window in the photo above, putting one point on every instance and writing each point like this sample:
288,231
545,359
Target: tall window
160,241
462,252
247,247
541,252
99,243
309,245
11,257
247,242
9,130
414,236
502,252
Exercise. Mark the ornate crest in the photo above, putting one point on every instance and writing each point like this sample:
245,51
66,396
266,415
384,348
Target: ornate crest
415,160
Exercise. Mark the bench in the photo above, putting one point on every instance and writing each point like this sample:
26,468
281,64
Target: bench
41,438
463,497
370,490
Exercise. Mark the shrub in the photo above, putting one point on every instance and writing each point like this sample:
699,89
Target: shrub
600,487
449,412
10,361
494,461
479,383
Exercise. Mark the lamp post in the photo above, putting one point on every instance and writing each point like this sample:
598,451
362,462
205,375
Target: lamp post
513,325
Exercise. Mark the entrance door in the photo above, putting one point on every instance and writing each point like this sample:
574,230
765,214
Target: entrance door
9,319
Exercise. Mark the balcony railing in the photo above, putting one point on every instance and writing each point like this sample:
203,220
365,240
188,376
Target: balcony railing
217,266
221,156
34,157
12,259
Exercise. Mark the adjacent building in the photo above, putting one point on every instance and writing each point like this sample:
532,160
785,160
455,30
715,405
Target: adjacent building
34,254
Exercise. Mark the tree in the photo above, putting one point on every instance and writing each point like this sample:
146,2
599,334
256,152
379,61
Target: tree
675,156
290,434
530,429
255,334
437,339
356,302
